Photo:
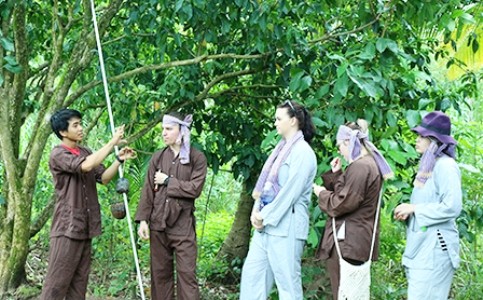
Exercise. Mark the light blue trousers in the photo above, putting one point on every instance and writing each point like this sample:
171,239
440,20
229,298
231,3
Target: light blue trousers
272,258
431,284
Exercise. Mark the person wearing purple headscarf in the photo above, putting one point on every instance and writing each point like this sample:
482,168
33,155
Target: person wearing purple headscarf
280,213
432,240
351,197
175,178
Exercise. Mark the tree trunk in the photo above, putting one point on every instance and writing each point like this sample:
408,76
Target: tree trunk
21,169
14,240
237,242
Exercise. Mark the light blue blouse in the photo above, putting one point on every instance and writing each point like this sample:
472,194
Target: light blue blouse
290,206
437,205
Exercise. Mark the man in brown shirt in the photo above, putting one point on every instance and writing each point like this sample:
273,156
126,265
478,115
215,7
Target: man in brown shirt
175,178
77,218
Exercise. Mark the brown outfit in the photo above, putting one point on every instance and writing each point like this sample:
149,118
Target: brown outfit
76,220
170,213
351,197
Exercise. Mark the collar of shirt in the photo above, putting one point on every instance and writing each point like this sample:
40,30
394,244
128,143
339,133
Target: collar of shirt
75,151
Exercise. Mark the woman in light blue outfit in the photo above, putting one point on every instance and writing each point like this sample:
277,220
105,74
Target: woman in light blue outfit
280,213
432,249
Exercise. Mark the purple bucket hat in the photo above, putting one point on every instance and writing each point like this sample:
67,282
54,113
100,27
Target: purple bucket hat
438,125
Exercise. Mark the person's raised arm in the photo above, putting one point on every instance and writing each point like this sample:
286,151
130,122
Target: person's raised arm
96,158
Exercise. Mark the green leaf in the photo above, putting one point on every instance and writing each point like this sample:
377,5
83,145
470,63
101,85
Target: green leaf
10,60
392,45
342,70
312,239
397,156
225,26
445,104
13,69
240,3
305,83
423,103
2,200
320,223
409,149
371,88
342,85
391,119
400,184
322,91
369,52
12,64
1,79
388,144
188,11
466,18
336,57
7,44
475,46
413,118
296,81
178,6
319,122
451,25
382,44
269,140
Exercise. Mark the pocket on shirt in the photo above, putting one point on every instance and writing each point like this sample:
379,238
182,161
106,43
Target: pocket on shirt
78,220
173,212
414,244
301,224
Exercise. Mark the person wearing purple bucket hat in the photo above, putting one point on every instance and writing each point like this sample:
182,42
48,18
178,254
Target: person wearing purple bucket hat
432,241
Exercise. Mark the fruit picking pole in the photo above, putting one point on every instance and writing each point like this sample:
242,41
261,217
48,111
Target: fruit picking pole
111,120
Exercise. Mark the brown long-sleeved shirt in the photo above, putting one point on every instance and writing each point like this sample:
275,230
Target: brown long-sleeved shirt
351,197
77,212
171,208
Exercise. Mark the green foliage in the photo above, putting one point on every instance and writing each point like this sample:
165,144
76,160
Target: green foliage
209,242
230,63
387,274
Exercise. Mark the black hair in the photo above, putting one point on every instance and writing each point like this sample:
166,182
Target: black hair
177,115
60,120
303,116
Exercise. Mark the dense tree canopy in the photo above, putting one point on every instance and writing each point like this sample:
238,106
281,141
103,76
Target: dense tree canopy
230,63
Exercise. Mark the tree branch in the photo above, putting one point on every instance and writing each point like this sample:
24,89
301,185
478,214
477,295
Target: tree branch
40,71
55,92
19,83
150,125
197,60
43,217
241,87
219,78
334,35
93,122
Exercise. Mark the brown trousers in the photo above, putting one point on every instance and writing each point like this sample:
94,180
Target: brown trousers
68,271
163,246
333,267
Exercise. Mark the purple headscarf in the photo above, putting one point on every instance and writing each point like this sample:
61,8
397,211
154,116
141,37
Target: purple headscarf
354,137
269,174
183,137
428,160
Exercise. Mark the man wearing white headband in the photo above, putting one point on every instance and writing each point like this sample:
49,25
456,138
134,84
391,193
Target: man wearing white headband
175,178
